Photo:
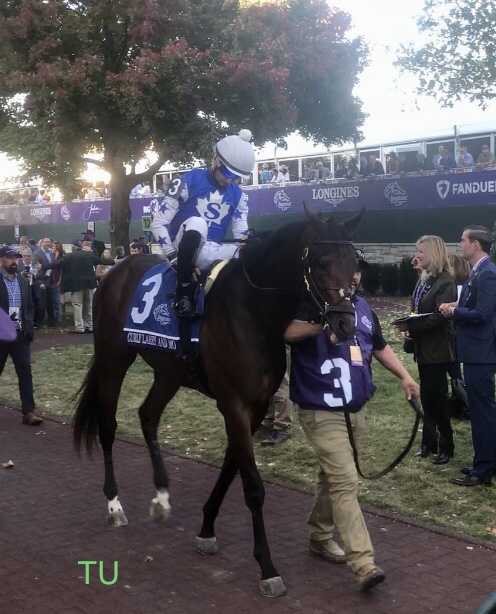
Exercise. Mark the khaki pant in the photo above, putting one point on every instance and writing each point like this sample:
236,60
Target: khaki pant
83,310
336,502
280,413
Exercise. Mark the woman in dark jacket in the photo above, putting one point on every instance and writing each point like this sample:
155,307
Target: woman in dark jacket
434,346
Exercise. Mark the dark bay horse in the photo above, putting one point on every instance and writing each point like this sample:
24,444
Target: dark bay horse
242,353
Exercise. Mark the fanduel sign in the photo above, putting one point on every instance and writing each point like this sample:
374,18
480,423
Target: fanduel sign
465,187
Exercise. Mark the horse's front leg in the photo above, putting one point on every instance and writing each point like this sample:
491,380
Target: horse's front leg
206,542
240,441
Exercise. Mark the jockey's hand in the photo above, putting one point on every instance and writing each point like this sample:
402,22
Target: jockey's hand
243,240
196,274
172,258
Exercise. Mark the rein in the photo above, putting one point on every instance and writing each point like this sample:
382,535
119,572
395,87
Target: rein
380,474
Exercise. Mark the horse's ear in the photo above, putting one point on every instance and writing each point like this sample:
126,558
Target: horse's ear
314,218
351,224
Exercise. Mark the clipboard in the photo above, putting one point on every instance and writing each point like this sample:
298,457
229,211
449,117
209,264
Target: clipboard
411,317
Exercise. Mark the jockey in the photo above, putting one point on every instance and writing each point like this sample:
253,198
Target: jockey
192,220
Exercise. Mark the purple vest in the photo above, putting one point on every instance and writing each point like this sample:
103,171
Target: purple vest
322,374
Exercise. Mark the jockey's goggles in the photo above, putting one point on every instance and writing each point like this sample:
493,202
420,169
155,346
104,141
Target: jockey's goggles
227,173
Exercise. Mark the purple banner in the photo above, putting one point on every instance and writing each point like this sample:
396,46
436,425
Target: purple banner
405,192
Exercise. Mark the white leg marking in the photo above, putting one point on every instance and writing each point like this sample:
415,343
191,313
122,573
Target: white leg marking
160,507
116,516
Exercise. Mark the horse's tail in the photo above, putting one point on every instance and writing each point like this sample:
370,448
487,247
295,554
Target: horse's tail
85,422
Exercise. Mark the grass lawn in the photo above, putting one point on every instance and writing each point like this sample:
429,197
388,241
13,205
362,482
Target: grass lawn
192,425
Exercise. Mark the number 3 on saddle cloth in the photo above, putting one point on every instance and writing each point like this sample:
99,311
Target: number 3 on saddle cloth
151,322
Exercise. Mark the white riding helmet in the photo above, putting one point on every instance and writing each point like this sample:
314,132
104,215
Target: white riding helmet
236,154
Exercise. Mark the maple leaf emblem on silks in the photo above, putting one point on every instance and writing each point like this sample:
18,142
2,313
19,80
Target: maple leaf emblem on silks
212,209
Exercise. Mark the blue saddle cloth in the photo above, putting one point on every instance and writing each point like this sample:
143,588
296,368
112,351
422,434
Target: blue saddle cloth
151,322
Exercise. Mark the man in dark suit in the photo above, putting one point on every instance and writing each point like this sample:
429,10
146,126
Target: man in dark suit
17,301
475,320
44,257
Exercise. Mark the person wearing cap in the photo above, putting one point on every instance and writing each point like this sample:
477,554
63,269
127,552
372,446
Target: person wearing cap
283,174
192,220
16,300
433,346
328,379
97,246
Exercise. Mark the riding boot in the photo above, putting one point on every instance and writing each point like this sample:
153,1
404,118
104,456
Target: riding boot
184,299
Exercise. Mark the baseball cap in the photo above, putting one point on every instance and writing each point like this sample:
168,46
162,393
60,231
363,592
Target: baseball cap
88,232
9,251
362,263
76,243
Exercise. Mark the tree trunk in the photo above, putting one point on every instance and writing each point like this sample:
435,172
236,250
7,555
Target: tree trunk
120,214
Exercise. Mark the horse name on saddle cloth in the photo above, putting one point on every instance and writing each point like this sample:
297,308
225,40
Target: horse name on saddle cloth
151,322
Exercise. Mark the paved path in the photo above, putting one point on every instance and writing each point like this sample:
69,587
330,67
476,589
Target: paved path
52,515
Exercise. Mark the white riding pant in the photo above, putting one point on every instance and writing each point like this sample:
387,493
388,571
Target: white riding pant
209,250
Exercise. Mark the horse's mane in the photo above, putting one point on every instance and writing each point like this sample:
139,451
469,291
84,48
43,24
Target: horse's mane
265,242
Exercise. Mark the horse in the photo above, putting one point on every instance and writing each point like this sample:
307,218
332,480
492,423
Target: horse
241,353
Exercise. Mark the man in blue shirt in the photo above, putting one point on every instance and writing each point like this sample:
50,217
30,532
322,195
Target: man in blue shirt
192,220
328,379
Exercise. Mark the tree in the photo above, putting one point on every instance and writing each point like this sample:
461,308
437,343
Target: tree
122,77
456,57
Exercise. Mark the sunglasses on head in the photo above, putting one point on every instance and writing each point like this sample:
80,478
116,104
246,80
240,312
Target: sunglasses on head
360,254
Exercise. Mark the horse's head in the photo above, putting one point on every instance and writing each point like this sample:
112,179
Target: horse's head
330,263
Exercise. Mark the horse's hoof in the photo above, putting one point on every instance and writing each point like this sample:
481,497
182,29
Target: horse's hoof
272,587
207,545
158,512
116,519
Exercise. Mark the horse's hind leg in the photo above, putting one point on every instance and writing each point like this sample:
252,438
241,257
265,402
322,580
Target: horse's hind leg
206,542
164,387
108,395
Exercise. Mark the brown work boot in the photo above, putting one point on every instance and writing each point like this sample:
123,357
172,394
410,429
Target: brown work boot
369,576
31,419
328,550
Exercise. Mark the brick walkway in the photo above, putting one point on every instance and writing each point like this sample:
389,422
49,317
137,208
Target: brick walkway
52,515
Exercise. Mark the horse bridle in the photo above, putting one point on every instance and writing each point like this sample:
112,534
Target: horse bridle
325,309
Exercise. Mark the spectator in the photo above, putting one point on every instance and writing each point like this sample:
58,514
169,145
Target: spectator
23,242
274,172
461,271
145,189
464,160
406,164
59,299
394,163
38,197
97,246
447,162
106,264
375,166
135,248
474,316
341,171
322,407
364,167
144,244
16,300
78,278
283,175
33,246
136,190
265,176
353,170
119,252
309,173
423,164
45,257
92,193
436,158
323,173
434,346
486,158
